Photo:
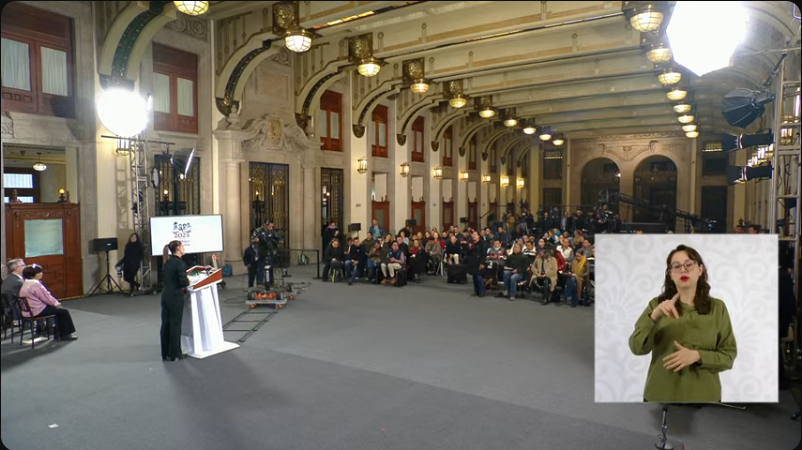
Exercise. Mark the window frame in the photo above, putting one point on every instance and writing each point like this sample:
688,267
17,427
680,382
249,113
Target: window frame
34,192
448,148
418,126
17,29
174,64
380,116
473,150
332,102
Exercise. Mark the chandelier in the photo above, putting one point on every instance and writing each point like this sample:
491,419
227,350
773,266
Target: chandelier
192,8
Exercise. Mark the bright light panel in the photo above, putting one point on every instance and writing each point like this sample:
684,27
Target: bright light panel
122,112
704,35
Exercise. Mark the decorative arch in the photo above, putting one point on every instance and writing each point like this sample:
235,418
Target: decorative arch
428,102
658,186
472,130
446,122
228,89
493,138
595,179
319,82
129,37
369,103
522,154
302,117
512,142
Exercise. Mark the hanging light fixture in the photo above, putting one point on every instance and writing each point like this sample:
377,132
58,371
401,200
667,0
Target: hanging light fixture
504,181
369,67
644,16
689,127
486,179
192,8
39,166
686,118
464,176
298,40
362,165
419,86
676,94
682,108
458,102
529,127
670,76
437,173
404,169
545,133
658,53
558,140
510,122
692,134
487,112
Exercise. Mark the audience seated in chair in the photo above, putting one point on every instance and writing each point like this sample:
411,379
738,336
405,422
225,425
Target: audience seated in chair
42,303
515,270
333,260
544,274
355,261
395,261
576,279
416,264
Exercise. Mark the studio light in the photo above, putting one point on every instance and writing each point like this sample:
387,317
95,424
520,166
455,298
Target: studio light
704,35
676,94
298,40
731,142
182,161
743,106
741,174
122,112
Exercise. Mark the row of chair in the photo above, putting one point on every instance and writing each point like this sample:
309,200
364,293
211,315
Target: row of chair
21,320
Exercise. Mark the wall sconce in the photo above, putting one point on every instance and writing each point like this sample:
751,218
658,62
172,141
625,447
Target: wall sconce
404,169
521,183
464,176
166,195
505,181
61,197
362,165
486,179
437,173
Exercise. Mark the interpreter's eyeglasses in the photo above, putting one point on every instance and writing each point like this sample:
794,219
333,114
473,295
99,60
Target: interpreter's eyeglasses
677,267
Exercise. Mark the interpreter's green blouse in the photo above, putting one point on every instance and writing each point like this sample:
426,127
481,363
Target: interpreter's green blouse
711,334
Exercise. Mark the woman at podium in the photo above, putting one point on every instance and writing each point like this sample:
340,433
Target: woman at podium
174,272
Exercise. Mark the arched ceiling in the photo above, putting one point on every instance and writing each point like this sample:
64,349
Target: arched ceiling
576,66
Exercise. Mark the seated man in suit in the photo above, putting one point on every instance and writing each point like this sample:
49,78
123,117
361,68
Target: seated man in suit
10,290
333,259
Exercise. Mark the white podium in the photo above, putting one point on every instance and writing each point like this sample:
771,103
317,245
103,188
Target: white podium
202,327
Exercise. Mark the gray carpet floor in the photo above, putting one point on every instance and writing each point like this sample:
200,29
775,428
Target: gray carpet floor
348,367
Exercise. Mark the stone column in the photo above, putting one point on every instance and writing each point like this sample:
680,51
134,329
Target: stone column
357,198
310,195
535,180
398,187
232,223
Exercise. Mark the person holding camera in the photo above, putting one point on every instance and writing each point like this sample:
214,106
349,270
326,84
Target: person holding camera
267,246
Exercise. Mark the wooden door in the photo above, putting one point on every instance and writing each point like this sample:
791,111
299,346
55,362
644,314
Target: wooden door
473,215
448,215
493,215
48,235
381,212
419,216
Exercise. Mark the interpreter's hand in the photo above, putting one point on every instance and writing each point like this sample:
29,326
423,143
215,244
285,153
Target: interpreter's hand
667,308
681,359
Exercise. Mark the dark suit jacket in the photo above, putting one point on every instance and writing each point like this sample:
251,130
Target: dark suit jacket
9,292
175,279
251,257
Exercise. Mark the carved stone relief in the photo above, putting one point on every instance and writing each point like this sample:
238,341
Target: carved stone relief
461,151
435,146
359,130
271,133
282,57
191,26
8,125
401,138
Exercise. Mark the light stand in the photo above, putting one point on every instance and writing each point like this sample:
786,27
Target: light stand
111,283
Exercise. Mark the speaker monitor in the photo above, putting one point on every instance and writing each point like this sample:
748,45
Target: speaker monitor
355,227
463,220
412,222
103,245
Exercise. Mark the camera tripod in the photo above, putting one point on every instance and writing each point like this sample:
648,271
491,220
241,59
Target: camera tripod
110,282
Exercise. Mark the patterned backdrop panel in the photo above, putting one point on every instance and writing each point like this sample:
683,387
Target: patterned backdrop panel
742,272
